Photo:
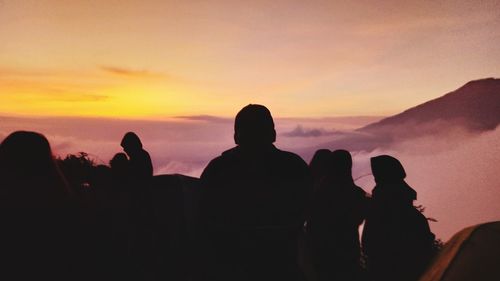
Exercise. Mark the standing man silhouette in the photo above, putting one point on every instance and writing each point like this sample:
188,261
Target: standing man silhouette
253,200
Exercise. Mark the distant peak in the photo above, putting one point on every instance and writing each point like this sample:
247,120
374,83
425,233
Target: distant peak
483,81
480,85
474,105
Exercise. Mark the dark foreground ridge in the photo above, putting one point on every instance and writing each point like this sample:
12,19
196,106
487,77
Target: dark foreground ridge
256,213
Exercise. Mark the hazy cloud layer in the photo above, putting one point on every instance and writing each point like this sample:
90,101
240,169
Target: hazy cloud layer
123,71
188,141
454,172
300,131
455,176
206,118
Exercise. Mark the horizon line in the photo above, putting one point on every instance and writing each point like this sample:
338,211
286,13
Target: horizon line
194,117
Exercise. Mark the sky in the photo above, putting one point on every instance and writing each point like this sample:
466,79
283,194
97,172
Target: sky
160,59
84,72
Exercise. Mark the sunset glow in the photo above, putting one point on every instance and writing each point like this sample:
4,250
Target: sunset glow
85,72
157,59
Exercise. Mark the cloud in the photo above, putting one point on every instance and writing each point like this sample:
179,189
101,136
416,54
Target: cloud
37,72
122,71
62,95
29,87
20,72
87,97
430,134
47,93
454,173
206,118
456,179
301,132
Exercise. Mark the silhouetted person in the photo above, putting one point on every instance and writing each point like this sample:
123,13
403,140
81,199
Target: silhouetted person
320,165
140,164
100,228
120,174
396,238
252,206
120,182
37,222
338,209
26,160
140,173
112,220
119,166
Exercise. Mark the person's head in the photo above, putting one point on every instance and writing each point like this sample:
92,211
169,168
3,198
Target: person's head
389,176
131,143
254,126
320,164
118,161
387,169
342,164
26,152
29,171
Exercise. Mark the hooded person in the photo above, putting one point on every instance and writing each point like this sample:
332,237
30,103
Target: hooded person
397,240
338,209
139,177
252,204
389,177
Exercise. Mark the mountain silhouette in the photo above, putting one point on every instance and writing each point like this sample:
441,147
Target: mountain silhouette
474,107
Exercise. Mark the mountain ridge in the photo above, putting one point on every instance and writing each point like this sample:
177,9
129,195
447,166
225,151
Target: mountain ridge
461,105
473,107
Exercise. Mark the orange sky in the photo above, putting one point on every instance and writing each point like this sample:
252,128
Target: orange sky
156,59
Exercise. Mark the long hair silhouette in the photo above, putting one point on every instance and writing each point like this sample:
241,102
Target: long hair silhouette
28,172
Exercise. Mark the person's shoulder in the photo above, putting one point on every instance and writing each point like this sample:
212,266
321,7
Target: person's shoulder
291,161
144,154
224,157
232,152
360,191
291,157
219,163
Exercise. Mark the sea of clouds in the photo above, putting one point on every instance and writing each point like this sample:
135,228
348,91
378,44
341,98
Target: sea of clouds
454,171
